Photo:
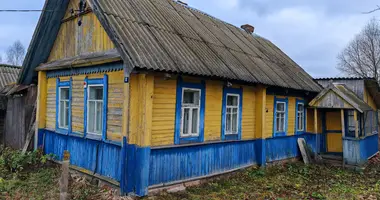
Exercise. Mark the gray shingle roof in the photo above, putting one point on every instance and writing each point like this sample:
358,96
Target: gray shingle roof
167,36
8,74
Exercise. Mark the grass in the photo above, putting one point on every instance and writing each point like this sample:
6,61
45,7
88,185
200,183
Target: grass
288,181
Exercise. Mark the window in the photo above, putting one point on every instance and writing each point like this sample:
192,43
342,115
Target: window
231,113
189,121
280,116
300,117
64,107
351,125
95,109
190,112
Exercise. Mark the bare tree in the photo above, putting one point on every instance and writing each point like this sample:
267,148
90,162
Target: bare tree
361,57
1,59
16,53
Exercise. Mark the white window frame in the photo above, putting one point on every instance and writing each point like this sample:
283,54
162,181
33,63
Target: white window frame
88,109
302,119
184,106
59,107
238,114
284,112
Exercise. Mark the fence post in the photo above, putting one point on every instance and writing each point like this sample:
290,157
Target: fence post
64,180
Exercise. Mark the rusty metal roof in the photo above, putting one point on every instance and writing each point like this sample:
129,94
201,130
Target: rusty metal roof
164,35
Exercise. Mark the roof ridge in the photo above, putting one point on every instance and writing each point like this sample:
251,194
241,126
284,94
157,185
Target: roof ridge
10,66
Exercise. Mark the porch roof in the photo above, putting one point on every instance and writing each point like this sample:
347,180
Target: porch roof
339,96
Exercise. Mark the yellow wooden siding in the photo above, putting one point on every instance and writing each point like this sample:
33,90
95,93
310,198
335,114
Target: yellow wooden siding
213,110
333,121
291,115
249,109
310,120
51,103
73,40
369,99
164,105
115,103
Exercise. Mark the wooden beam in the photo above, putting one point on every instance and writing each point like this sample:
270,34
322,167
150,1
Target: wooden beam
342,121
41,105
356,124
315,120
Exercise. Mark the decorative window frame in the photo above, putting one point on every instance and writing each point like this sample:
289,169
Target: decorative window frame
280,100
237,92
99,81
181,85
63,84
296,131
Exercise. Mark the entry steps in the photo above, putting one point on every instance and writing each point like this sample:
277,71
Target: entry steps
337,161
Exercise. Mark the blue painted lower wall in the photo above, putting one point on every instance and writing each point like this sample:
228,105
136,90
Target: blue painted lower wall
280,148
137,168
356,151
181,163
96,156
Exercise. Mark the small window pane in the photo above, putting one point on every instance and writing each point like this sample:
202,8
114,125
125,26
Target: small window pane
194,124
191,97
64,93
234,123
228,122
232,100
300,107
96,92
91,117
186,118
99,117
62,114
280,107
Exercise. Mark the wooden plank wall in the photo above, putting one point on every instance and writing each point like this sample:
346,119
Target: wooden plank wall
115,103
73,40
369,99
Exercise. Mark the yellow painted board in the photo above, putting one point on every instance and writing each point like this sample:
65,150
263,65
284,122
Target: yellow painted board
334,142
248,115
213,113
333,120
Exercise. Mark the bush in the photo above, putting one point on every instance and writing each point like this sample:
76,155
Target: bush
14,161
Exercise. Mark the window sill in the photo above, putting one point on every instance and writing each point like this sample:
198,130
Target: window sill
62,131
279,134
191,139
94,137
231,137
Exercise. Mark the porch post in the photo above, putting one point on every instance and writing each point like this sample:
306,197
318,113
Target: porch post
317,136
315,120
356,124
343,123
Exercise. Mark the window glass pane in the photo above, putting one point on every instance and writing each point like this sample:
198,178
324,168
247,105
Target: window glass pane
232,100
91,116
191,97
96,93
228,122
300,107
194,124
99,117
62,114
186,118
234,123
281,107
64,93
67,114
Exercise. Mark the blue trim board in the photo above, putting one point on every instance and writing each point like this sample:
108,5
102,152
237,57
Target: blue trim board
60,84
177,137
96,69
85,107
236,91
277,100
299,101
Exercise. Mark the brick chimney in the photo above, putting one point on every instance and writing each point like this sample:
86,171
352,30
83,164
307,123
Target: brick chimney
248,28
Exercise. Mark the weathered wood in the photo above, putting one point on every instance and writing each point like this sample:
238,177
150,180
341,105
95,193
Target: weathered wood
82,60
304,151
31,129
356,124
64,180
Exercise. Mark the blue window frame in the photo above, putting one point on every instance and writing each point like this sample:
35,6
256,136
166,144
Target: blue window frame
95,108
300,127
232,113
190,108
63,106
280,117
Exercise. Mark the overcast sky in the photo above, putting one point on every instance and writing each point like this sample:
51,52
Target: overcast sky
311,32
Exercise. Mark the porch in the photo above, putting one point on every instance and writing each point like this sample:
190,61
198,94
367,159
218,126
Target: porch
349,126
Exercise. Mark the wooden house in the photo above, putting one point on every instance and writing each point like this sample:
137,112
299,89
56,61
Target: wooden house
149,93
